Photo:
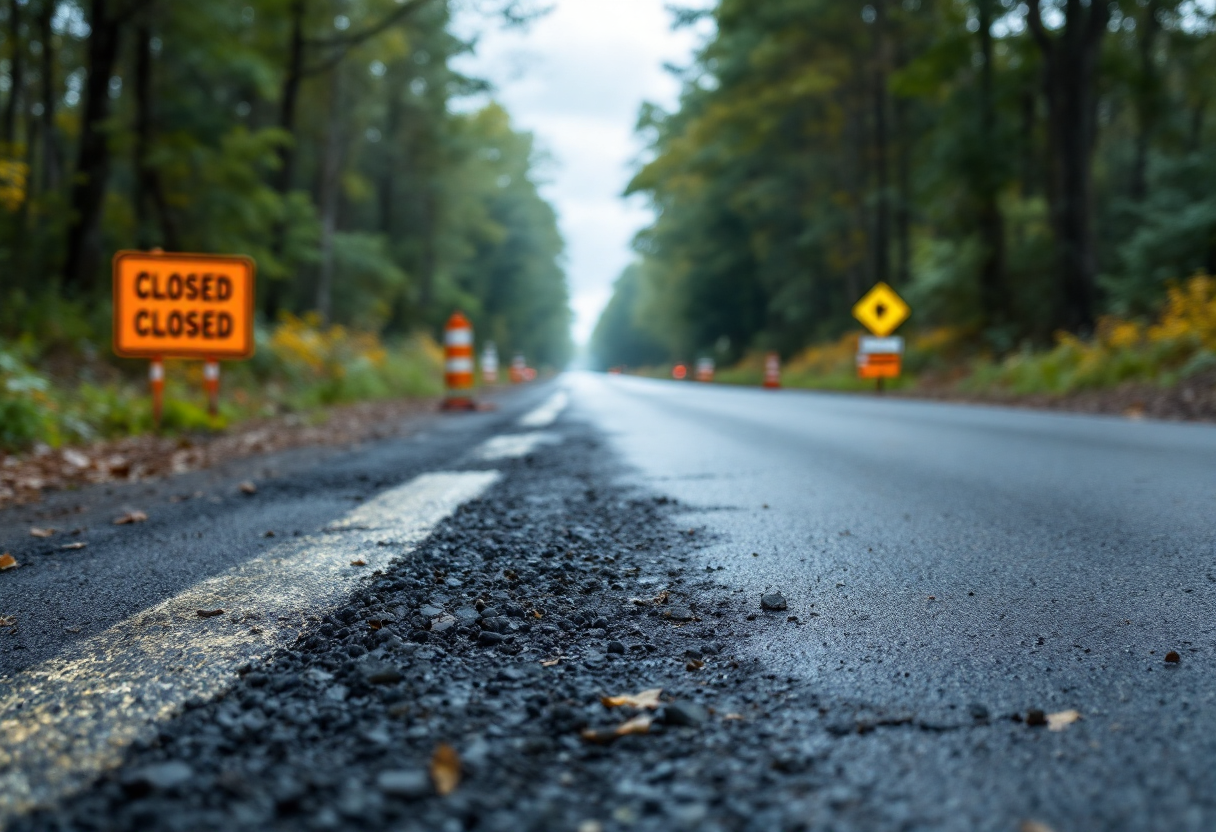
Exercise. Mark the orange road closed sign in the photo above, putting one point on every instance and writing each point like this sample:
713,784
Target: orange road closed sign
183,305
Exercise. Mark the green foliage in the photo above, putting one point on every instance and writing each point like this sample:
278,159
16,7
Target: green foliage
619,339
821,146
359,160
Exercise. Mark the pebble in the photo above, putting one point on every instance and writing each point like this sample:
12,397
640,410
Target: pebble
490,639
685,713
616,647
773,601
680,614
382,675
157,777
408,784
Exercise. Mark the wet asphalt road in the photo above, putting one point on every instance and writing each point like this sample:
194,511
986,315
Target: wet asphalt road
947,570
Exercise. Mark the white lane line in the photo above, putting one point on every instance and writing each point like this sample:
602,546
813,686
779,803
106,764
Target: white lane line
547,413
514,445
70,718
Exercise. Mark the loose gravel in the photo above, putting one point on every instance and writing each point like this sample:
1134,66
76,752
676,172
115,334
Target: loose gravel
529,636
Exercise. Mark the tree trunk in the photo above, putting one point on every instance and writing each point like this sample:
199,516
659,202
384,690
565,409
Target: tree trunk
93,159
1147,97
52,163
149,194
331,172
1070,67
903,209
287,153
994,299
16,78
882,207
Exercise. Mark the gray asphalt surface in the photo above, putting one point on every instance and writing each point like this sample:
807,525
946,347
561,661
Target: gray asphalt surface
948,570
957,555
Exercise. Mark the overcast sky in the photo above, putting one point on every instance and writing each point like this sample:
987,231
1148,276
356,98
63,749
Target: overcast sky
576,79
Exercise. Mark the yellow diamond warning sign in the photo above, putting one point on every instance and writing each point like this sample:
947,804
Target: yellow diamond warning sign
881,310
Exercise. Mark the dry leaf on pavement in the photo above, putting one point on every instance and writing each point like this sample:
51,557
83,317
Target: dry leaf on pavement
248,488
8,621
209,613
645,699
79,544
7,561
129,518
1061,720
37,532
359,562
552,662
445,769
640,724
1035,826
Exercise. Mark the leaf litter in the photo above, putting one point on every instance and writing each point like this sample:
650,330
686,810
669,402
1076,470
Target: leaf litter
445,769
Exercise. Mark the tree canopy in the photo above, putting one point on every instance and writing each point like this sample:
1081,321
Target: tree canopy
1012,168
322,137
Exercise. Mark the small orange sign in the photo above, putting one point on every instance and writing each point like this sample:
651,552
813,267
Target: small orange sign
878,365
183,305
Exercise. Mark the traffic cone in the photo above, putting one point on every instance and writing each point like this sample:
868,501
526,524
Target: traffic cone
458,363
772,371
705,369
519,368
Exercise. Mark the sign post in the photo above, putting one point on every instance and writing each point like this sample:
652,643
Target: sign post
183,306
881,311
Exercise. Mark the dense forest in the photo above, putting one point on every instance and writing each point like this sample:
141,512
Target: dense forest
1015,169
325,138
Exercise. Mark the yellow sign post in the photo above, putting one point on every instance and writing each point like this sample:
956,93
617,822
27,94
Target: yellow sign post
881,311
183,306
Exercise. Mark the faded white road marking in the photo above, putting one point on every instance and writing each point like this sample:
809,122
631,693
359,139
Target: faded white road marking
547,413
70,718
514,445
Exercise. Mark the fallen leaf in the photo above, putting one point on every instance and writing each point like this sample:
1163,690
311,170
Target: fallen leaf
552,662
375,623
1172,657
1061,720
7,561
645,699
1035,717
76,459
1035,826
209,613
359,562
248,488
537,614
694,664
8,621
733,718
445,769
79,544
130,517
662,597
37,532
638,725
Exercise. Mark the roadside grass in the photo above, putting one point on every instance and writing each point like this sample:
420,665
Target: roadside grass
300,367
1178,344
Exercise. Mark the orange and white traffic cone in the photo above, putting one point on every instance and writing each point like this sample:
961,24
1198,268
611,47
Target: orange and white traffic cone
519,368
458,363
772,371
